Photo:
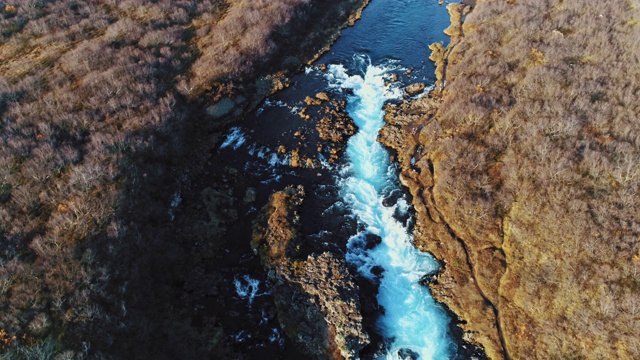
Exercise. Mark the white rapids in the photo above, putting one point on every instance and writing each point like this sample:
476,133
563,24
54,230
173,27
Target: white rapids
413,323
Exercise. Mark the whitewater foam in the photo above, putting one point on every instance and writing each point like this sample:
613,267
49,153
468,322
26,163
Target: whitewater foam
234,139
248,288
412,321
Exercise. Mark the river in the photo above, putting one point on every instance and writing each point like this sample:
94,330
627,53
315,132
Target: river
348,200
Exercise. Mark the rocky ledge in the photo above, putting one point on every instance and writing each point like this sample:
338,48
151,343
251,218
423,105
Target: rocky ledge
316,298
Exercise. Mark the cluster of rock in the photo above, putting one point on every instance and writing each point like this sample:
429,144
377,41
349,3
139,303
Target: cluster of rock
334,126
316,298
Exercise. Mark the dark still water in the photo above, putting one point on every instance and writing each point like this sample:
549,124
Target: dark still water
395,29
347,199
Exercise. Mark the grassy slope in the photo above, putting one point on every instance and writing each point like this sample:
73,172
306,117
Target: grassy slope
535,156
101,107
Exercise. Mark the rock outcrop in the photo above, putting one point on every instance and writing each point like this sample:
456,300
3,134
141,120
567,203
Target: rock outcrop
335,127
317,299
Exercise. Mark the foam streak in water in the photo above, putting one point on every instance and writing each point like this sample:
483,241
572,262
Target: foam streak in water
234,139
247,288
413,322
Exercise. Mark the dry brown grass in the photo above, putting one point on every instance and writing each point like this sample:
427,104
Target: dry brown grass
229,46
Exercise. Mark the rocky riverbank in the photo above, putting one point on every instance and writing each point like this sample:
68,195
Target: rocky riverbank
456,285
317,298
517,190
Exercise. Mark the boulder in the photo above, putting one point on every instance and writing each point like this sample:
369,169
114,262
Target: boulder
323,96
371,241
295,158
311,101
250,195
415,88
408,354
226,106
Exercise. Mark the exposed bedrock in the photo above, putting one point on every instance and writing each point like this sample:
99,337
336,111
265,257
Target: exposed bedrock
317,298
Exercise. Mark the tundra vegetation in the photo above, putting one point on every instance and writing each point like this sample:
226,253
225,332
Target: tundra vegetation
532,161
101,119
